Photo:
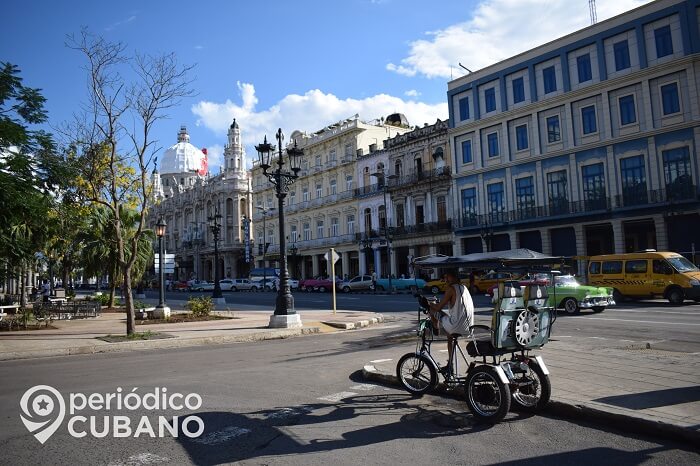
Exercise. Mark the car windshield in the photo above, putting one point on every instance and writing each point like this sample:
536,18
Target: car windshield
681,264
566,280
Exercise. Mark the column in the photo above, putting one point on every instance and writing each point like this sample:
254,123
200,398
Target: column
412,254
345,257
581,248
315,265
618,236
513,239
433,249
392,263
363,262
546,241
377,262
661,233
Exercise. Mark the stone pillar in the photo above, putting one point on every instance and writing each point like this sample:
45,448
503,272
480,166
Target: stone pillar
377,262
433,249
514,239
363,262
581,248
546,241
345,257
618,236
661,233
315,265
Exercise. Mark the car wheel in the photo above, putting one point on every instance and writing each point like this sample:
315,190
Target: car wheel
570,306
675,296
617,296
322,289
598,309
380,288
435,290
413,288
346,289
254,288
233,288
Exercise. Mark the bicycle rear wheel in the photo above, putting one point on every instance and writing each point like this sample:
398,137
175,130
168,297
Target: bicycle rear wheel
416,374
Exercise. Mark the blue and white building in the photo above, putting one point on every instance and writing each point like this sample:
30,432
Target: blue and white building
584,145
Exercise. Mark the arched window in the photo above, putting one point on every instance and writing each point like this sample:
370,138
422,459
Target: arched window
398,168
365,177
368,222
382,218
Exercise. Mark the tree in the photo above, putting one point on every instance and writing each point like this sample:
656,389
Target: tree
32,173
126,97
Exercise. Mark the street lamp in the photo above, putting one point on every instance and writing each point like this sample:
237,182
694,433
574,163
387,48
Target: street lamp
215,226
293,250
387,235
161,310
264,211
486,233
285,315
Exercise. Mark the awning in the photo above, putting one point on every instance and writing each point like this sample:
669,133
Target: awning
490,260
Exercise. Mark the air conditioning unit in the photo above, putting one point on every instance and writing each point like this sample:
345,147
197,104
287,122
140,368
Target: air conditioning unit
382,243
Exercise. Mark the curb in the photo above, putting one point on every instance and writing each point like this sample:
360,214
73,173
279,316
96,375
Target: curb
123,347
622,421
355,325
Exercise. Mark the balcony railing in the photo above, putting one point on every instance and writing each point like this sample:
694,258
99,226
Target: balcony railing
443,173
641,199
421,229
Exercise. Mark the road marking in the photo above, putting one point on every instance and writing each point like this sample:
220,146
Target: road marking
660,311
222,436
363,387
637,321
443,351
138,460
628,341
377,361
598,338
563,336
336,397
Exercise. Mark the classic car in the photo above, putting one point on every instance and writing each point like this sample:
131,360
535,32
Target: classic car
364,282
321,284
201,285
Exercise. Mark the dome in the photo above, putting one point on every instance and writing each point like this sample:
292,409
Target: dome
397,119
183,157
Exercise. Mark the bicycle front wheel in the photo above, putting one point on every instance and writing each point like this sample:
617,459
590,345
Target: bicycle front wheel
416,374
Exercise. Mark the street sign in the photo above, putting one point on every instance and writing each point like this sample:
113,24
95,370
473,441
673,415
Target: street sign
166,269
167,258
336,256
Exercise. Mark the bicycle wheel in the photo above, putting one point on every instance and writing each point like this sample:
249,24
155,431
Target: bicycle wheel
531,388
416,374
487,396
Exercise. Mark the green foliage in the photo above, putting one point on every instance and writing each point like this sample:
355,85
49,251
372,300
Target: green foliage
200,306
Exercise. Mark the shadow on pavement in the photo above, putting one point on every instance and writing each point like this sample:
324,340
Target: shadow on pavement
597,456
654,399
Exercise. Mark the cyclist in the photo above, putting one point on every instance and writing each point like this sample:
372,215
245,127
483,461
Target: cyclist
459,315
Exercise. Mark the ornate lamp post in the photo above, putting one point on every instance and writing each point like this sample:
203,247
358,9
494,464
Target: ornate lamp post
293,250
162,310
215,226
285,315
380,176
486,233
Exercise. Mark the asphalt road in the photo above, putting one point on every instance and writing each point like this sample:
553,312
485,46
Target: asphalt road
298,401
628,324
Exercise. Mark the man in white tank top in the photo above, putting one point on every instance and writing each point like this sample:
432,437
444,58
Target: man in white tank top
460,314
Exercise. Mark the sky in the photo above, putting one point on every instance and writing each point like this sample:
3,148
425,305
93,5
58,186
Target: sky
300,64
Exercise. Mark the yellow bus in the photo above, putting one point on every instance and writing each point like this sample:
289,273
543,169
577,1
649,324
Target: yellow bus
646,274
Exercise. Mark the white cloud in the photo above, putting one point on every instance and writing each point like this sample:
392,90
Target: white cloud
309,112
500,29
412,93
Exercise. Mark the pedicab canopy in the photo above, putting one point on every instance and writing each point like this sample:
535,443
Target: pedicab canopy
497,260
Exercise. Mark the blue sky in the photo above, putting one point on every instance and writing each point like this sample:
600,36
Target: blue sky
296,64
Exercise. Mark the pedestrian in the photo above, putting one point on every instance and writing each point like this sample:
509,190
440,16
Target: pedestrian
45,290
167,285
374,281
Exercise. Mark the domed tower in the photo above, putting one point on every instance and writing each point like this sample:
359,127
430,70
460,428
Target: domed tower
233,152
157,195
182,163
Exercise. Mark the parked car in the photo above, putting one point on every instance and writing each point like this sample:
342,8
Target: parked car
201,285
237,284
361,282
439,285
483,282
180,286
364,282
293,284
321,284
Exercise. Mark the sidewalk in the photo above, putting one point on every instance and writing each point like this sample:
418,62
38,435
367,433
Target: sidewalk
79,336
635,389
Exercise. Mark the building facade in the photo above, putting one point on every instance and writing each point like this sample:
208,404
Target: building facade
321,207
585,145
188,198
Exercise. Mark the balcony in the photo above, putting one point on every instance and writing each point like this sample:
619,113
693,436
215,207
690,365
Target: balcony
420,229
368,190
443,173
639,199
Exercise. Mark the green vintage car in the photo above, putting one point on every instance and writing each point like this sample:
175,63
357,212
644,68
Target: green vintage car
572,296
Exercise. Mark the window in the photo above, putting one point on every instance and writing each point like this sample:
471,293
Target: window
334,227
464,108
334,186
368,221
662,267
348,151
270,237
381,214
305,193
664,42
294,234
348,182
441,209
319,190
518,90
400,217
495,199
669,98
469,206
588,120
583,65
319,229
594,268
549,79
558,192
525,196
490,99
679,181
351,224
622,55
628,114
521,137
318,160
307,232
269,202
593,177
332,156
553,130
493,144
634,182
292,197
612,267
636,266
420,215
398,168
467,151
